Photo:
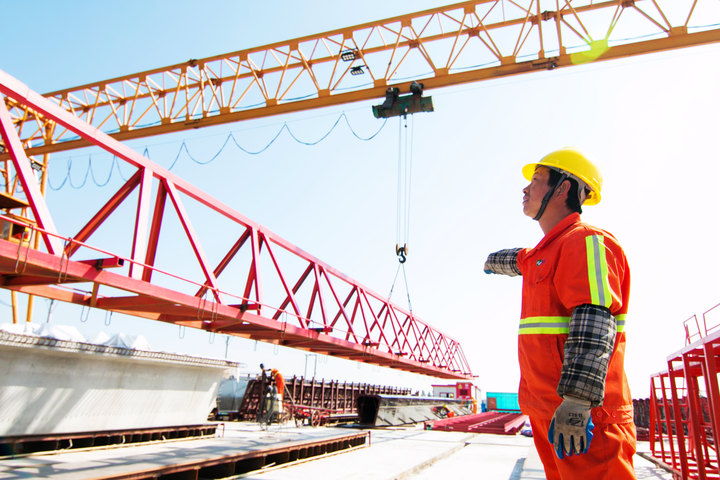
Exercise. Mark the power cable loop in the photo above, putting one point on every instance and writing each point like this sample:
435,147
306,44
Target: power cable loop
30,237
230,138
64,260
25,260
215,305
202,304
200,308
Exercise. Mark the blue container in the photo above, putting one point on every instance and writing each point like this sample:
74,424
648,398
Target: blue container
503,401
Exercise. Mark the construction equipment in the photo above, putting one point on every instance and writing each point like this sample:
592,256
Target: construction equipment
396,106
318,309
460,43
305,396
393,410
444,46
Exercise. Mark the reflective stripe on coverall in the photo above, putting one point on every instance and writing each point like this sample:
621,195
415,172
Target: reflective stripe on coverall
574,264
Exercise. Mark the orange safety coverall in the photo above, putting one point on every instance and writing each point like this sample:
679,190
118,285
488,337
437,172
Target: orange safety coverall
574,264
279,383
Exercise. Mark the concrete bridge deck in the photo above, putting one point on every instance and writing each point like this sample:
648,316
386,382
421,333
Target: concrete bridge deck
392,453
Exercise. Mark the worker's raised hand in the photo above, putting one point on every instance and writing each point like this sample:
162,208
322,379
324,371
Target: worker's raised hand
571,427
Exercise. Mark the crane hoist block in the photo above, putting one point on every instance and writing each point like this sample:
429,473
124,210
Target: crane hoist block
403,106
395,105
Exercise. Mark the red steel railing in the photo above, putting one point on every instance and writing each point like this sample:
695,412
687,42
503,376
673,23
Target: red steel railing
685,404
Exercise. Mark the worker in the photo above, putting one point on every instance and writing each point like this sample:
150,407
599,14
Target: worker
571,345
279,384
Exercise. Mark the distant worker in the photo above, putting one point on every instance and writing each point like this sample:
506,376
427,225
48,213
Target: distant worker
279,381
280,387
571,345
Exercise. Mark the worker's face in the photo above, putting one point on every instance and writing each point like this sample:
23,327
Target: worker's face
534,193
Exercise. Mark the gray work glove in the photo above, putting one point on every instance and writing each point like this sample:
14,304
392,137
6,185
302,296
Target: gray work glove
571,427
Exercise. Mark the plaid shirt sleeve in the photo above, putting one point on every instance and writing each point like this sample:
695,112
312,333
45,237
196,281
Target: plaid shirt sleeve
503,262
587,353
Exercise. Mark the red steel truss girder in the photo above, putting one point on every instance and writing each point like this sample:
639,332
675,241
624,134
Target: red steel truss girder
487,422
159,303
372,330
448,45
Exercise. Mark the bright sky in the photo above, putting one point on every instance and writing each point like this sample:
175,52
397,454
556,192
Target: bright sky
650,122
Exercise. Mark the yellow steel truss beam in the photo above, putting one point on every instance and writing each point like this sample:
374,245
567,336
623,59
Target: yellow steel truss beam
465,42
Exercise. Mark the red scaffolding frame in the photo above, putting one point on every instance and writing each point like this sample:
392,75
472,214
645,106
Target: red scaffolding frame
685,404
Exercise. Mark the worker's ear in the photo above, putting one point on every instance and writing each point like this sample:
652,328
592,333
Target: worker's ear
563,189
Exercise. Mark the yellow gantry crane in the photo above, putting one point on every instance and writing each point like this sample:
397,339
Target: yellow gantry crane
445,46
465,42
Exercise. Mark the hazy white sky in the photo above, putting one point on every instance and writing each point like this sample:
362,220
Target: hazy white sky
651,122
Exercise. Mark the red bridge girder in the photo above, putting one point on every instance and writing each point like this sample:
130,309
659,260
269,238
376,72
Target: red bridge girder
312,306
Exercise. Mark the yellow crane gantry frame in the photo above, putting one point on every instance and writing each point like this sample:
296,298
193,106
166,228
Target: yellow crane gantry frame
465,42
445,46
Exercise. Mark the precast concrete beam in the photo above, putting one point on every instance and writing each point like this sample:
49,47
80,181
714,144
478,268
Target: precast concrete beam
55,386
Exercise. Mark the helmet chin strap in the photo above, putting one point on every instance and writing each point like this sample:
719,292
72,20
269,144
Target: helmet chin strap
548,195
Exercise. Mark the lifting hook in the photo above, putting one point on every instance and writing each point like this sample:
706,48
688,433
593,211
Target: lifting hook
401,252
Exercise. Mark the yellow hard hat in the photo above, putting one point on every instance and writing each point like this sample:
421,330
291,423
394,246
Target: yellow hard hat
574,163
